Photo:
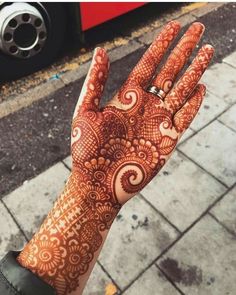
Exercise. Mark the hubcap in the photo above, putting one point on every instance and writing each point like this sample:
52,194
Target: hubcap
23,32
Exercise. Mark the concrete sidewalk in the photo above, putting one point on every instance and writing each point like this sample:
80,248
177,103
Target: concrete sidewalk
178,236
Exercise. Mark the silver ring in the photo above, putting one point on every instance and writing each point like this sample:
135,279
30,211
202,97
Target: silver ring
156,91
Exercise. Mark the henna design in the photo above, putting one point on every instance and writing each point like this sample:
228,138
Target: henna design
145,69
180,93
116,151
185,116
178,57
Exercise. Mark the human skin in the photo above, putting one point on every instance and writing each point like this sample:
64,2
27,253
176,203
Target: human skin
116,151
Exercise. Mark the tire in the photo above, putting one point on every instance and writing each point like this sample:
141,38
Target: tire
12,68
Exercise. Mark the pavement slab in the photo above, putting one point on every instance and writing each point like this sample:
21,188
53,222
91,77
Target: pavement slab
68,162
220,80
152,281
229,118
182,191
212,107
225,210
11,237
98,282
230,59
212,149
138,235
31,202
211,6
189,132
203,260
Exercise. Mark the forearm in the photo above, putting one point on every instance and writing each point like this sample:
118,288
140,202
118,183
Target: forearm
68,243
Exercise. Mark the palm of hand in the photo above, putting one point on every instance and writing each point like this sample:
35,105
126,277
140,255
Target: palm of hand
117,150
124,148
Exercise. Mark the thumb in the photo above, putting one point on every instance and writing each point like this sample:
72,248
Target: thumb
94,83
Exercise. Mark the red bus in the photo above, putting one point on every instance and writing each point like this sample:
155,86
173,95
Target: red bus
32,33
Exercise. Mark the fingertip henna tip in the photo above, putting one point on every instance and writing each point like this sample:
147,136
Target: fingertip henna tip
97,49
176,23
200,25
202,89
207,50
208,47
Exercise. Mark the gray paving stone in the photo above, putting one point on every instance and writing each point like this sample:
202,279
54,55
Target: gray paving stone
203,261
152,282
220,80
231,59
225,210
229,117
148,37
186,19
121,51
98,282
114,54
137,237
74,75
212,106
182,191
10,235
189,132
19,101
213,148
68,161
209,7
31,202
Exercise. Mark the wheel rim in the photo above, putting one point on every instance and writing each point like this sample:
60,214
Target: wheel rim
23,31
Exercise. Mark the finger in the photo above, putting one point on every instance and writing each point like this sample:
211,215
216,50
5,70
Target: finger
178,57
185,86
186,114
146,67
94,83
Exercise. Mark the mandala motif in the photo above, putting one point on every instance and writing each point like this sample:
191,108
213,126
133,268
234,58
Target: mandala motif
117,148
49,255
105,214
97,169
146,151
93,192
78,258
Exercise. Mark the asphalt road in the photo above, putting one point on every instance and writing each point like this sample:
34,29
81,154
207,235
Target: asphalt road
36,137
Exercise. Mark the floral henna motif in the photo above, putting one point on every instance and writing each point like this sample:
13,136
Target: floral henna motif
116,151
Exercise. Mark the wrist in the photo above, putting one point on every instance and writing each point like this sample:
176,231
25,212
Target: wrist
71,235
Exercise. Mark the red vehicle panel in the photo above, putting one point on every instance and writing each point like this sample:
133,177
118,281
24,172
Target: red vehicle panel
94,13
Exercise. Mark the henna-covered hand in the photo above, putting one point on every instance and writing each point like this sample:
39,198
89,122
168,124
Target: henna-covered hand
116,151
122,146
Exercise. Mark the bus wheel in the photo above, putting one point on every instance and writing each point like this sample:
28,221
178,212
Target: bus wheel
31,35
